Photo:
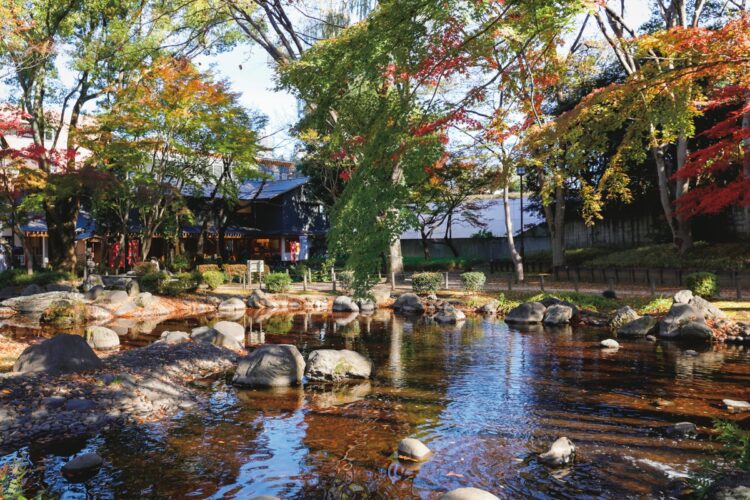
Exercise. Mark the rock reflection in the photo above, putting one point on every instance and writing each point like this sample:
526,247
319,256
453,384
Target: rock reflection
329,395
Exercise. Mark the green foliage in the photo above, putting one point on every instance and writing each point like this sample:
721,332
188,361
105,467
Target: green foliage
64,313
658,305
141,268
181,262
279,324
346,280
162,283
735,443
151,282
213,279
482,234
506,304
19,277
583,300
703,284
473,281
13,478
277,282
426,282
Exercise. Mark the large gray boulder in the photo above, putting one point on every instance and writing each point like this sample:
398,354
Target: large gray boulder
271,366
233,304
259,300
366,305
334,365
174,337
695,331
132,288
91,281
115,298
101,338
678,315
526,313
144,300
682,297
82,465
95,292
490,308
231,329
342,303
37,303
552,301
558,314
409,303
640,327
449,315
623,316
61,354
32,289
708,310
228,342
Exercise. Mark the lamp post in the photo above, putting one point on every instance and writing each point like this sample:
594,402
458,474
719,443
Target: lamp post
521,171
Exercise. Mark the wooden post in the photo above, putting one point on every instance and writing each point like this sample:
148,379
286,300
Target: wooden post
333,279
447,283
541,282
304,282
737,285
653,287
393,281
249,272
510,281
575,282
611,284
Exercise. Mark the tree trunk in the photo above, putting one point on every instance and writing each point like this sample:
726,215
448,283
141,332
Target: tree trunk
425,245
395,257
61,217
556,227
683,235
746,159
146,246
664,197
514,255
201,245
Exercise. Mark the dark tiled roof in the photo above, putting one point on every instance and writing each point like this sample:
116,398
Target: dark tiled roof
269,189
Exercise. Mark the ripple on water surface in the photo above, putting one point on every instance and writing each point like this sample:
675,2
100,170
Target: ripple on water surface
484,397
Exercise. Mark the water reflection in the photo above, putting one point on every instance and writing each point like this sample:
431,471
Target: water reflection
485,397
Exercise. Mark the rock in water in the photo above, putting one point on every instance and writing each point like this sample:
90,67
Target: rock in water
490,308
468,494
707,309
449,315
82,465
409,303
678,315
695,330
101,338
558,314
609,344
342,303
232,305
271,366
413,449
259,300
683,429
333,365
231,329
366,305
528,312
560,453
735,406
39,302
144,300
174,337
640,327
623,316
61,354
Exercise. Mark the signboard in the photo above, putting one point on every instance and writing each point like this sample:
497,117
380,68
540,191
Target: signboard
255,266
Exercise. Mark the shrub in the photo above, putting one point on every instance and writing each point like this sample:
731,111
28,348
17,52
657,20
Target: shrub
703,284
145,267
657,305
180,283
151,282
277,282
19,277
426,282
474,281
181,262
202,268
212,278
346,280
235,270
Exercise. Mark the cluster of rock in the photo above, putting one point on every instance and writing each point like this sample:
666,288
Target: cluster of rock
690,318
60,387
441,311
550,311
281,365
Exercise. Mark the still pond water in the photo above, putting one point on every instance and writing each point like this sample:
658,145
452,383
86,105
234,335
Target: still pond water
485,397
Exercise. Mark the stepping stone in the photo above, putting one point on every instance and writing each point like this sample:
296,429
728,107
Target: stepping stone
413,449
735,406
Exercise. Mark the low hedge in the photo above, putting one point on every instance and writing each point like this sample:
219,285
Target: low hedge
703,284
202,268
426,282
233,270
473,281
277,282
213,278
171,285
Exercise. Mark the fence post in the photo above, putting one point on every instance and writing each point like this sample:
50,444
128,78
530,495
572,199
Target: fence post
447,283
249,274
541,282
737,285
611,285
333,278
304,282
393,281
510,281
653,287
575,282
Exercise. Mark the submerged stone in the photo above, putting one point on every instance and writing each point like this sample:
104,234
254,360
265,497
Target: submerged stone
560,453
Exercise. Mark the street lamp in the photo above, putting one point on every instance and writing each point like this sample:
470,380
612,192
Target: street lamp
521,171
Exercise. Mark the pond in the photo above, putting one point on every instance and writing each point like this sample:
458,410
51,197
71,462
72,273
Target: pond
485,397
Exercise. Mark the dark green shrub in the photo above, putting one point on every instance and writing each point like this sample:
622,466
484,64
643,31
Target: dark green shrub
181,262
19,277
473,282
151,282
180,283
145,267
212,278
703,284
277,282
345,280
426,282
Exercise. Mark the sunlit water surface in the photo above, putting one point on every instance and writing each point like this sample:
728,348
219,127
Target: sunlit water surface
485,397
